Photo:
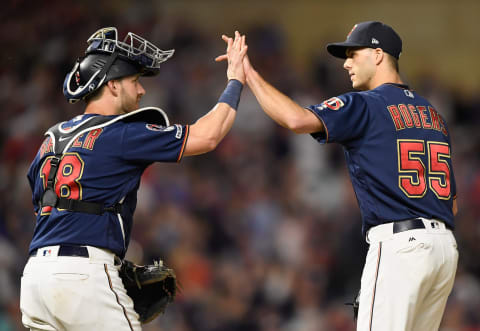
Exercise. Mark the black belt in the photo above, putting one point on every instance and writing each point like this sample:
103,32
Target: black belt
65,250
414,223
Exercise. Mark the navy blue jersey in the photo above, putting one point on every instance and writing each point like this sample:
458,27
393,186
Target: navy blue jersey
397,148
103,165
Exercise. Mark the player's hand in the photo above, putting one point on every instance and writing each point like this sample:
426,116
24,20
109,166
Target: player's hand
236,50
247,66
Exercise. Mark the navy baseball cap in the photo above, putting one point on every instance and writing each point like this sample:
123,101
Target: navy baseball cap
370,34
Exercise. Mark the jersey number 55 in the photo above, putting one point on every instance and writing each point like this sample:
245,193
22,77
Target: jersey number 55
414,175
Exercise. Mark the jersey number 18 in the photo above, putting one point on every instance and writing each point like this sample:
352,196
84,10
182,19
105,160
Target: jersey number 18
67,183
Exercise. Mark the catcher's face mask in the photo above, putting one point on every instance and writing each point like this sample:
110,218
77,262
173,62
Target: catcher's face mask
106,53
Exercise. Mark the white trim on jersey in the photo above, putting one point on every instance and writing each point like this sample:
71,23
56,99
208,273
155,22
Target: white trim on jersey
120,220
116,119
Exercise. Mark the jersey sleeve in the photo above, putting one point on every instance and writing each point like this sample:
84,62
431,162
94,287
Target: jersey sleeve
344,118
145,142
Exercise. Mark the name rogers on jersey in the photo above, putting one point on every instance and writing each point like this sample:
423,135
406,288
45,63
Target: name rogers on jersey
85,140
409,116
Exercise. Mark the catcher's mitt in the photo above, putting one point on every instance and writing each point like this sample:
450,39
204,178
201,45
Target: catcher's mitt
151,287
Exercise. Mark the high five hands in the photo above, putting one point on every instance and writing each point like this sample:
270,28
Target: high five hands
236,55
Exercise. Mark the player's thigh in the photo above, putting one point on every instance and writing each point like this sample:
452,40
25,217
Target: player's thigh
101,302
70,293
430,312
34,313
121,313
368,286
393,273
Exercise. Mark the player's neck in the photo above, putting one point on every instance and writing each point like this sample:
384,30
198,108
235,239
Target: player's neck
102,106
385,77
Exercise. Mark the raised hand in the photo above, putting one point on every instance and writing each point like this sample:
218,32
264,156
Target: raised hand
236,51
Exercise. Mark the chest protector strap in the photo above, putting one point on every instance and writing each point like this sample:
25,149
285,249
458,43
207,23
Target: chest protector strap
62,140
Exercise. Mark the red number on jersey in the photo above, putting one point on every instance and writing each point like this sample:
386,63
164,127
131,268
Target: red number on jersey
67,183
409,162
412,171
439,169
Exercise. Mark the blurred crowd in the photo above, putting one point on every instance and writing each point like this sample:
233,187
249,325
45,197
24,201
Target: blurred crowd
265,232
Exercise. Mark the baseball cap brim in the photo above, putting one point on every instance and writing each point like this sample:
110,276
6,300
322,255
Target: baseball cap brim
339,49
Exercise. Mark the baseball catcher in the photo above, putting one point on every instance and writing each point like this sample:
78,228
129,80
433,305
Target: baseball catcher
84,182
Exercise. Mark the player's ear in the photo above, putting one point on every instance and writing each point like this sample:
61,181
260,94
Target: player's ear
113,86
379,55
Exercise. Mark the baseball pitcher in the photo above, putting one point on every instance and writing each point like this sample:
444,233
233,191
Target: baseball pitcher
398,152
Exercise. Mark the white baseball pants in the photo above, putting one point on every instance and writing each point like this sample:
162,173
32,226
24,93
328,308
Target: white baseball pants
75,293
407,278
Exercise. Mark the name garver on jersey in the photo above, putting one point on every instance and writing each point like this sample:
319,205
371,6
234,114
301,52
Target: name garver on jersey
86,141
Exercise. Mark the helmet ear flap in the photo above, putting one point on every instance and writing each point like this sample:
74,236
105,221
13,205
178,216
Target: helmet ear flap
88,74
74,91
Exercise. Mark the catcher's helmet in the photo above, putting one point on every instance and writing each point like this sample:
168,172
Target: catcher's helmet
107,58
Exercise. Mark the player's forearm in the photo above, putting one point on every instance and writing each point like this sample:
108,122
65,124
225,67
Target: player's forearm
274,103
221,118
280,107
227,124
209,130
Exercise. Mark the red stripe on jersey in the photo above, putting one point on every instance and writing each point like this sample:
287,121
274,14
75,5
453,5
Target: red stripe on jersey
185,138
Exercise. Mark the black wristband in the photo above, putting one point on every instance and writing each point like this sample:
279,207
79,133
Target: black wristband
231,94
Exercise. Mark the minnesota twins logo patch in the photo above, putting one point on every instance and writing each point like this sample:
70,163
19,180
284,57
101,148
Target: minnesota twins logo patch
334,103
156,127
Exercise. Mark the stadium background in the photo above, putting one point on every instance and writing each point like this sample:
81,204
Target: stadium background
264,232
